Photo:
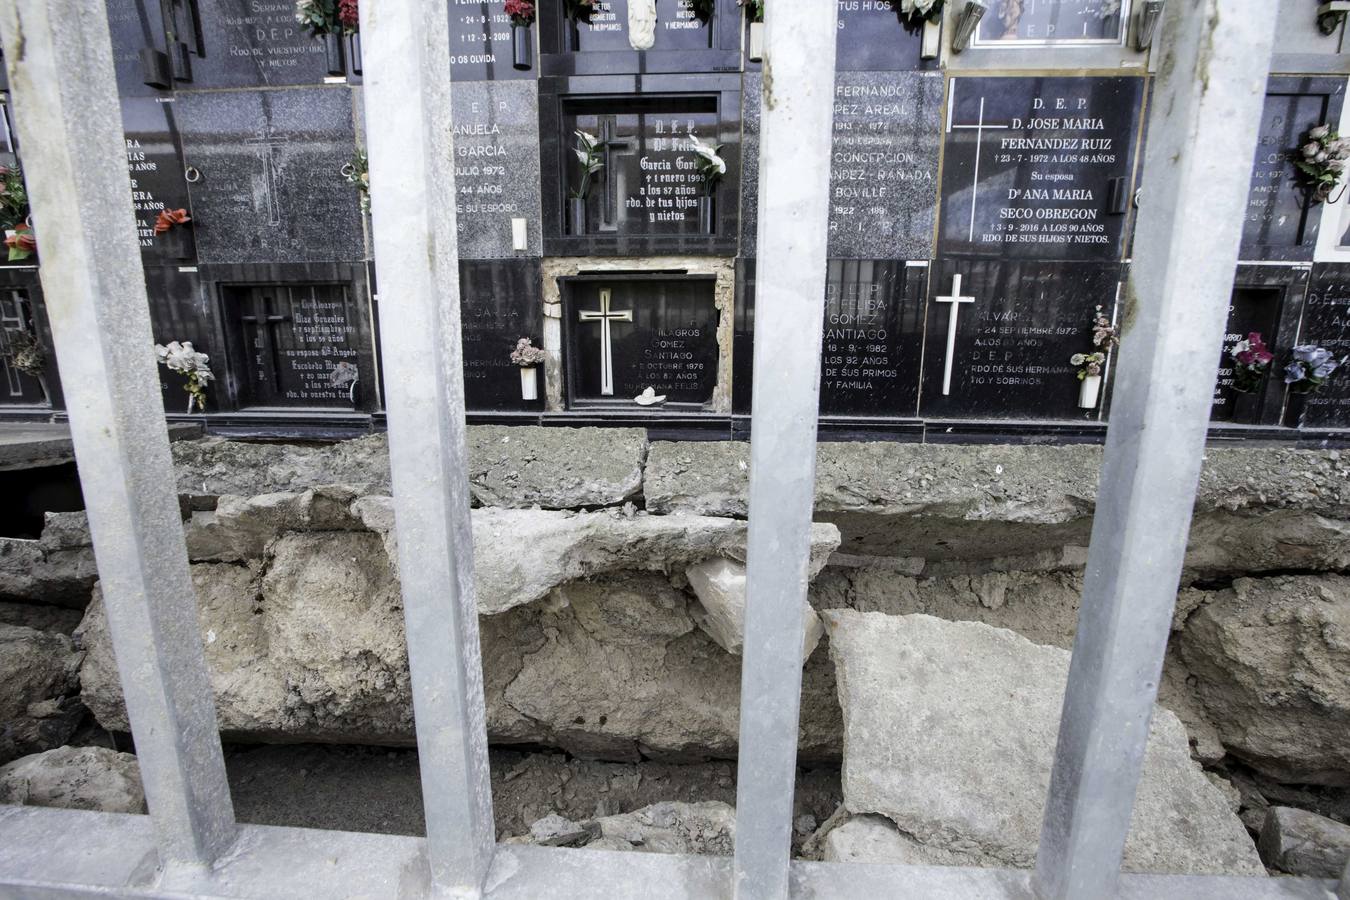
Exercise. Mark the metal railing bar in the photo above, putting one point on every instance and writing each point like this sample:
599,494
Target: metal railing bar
408,133
39,860
1202,137
797,105
67,116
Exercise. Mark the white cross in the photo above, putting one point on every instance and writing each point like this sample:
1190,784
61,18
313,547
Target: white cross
955,300
979,128
604,315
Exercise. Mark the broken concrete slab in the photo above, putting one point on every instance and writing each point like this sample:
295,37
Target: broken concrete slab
1271,662
976,710
719,585
1299,842
517,467
92,778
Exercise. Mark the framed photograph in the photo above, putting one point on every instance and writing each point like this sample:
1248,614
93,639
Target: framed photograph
1053,23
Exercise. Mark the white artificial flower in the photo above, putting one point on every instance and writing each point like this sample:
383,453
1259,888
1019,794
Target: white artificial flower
1311,150
182,358
1319,132
589,140
1241,347
709,152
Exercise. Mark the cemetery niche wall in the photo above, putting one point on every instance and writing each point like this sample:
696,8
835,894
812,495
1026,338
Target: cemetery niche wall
982,207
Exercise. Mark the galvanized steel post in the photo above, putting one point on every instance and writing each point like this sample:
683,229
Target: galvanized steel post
408,133
1202,136
70,129
790,289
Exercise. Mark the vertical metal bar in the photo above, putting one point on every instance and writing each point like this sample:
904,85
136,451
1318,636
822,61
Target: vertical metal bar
790,292
1202,137
408,134
66,109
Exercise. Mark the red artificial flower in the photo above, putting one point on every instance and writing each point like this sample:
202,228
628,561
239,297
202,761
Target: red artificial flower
349,14
169,218
520,11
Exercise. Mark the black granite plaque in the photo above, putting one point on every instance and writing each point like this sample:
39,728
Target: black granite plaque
180,311
499,304
139,47
480,43
271,187
884,165
249,43
871,342
496,167
678,41
1039,168
1040,23
677,28
661,332
872,38
157,181
873,338
1326,323
18,322
1252,310
743,338
649,184
1281,222
649,197
294,344
1014,337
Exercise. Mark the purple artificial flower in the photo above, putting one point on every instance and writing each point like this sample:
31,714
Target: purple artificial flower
1294,373
1311,354
1326,369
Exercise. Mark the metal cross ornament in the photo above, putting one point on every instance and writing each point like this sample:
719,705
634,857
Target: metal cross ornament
955,299
604,315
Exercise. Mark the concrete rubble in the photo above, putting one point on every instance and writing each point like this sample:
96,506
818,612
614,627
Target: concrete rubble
976,711
610,583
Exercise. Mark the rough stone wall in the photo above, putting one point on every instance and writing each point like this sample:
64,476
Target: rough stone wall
587,637
591,638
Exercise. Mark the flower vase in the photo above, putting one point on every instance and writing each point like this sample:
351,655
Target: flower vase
1246,407
192,401
1294,408
522,47
175,243
1089,391
576,207
707,213
332,49
932,40
529,383
354,52
756,41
